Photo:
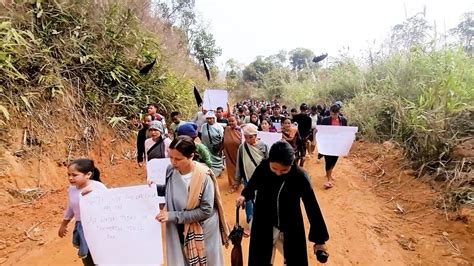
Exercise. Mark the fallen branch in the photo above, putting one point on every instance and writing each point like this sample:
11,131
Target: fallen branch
392,198
452,244
400,209
27,232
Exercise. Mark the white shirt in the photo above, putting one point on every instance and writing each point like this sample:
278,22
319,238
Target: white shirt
199,119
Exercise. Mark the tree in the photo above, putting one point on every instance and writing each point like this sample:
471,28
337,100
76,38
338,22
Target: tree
256,71
300,58
465,31
413,31
175,11
204,47
233,73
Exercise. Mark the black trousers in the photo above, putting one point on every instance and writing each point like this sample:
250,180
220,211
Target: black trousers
330,161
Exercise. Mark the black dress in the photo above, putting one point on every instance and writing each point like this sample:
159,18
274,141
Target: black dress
278,205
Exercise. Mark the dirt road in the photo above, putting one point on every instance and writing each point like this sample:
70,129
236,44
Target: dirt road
369,223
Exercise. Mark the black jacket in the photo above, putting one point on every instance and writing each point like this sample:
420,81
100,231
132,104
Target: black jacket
327,121
278,204
304,124
141,144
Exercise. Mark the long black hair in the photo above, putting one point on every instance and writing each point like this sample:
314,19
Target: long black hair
85,166
185,145
281,152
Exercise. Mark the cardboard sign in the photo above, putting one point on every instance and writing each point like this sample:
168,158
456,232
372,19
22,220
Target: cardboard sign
156,170
215,98
120,227
269,137
335,140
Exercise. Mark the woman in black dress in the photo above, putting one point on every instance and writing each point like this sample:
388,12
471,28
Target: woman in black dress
278,220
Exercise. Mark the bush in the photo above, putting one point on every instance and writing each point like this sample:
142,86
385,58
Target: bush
89,50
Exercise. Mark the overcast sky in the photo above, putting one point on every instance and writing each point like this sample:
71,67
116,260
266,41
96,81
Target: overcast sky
245,29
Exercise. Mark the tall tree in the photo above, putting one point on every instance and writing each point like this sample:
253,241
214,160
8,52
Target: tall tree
300,58
204,47
413,31
465,31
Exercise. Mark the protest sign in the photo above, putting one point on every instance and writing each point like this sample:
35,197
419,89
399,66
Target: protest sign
120,227
215,98
269,137
277,126
156,170
334,140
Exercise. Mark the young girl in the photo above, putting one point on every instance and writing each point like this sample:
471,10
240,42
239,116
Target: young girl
84,177
266,125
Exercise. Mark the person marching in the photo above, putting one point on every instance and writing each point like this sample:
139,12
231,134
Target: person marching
212,136
156,147
277,218
84,177
333,120
249,156
232,141
202,154
291,135
141,138
196,227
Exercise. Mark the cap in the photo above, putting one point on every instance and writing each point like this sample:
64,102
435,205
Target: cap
188,129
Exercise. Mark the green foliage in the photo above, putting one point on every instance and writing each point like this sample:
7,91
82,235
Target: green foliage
91,51
301,58
465,31
414,93
204,47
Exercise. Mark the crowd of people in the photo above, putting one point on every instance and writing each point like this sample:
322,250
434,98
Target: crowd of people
199,151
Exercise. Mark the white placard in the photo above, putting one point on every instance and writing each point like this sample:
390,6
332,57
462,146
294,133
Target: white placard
156,170
335,140
120,227
277,126
269,137
215,98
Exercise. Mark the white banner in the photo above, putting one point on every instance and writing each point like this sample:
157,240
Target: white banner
215,98
156,170
269,137
277,126
335,140
120,227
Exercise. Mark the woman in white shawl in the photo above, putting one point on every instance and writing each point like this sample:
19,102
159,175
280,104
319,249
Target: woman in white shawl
212,136
249,156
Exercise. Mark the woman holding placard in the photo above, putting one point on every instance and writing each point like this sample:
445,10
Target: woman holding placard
195,224
335,119
83,177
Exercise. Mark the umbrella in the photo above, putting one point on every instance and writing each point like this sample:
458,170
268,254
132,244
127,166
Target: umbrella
235,236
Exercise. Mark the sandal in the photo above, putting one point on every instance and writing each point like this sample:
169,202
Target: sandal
231,190
328,185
